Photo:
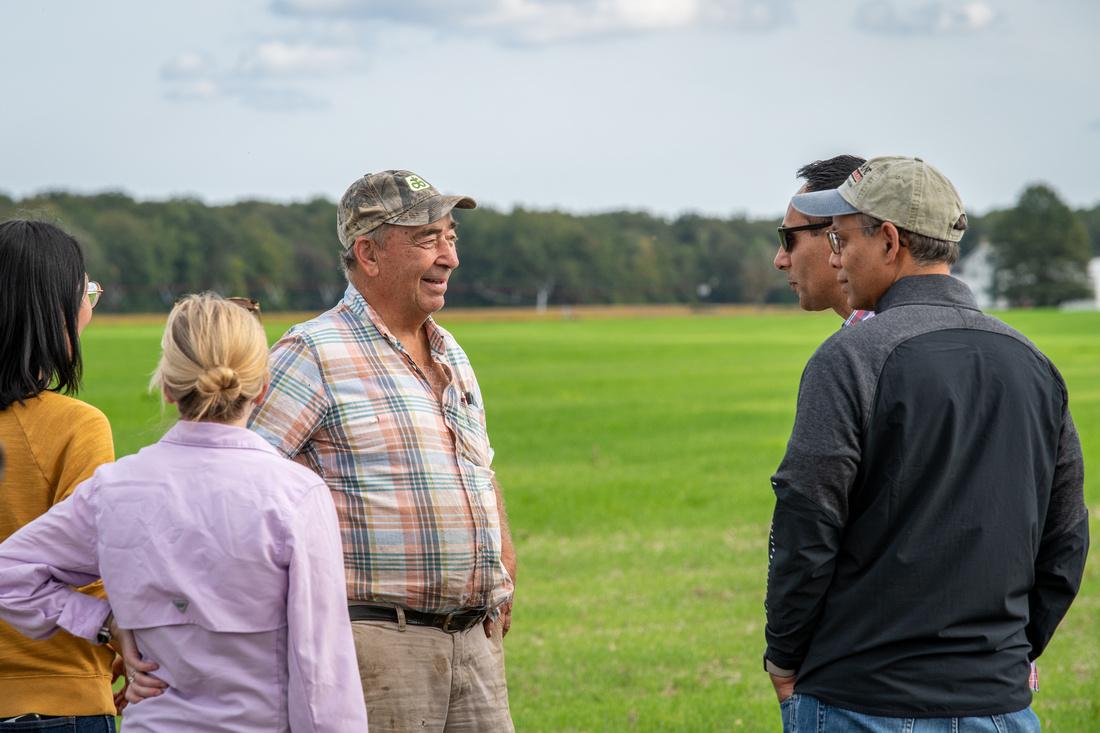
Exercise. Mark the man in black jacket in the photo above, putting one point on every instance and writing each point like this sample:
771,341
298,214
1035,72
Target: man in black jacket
930,530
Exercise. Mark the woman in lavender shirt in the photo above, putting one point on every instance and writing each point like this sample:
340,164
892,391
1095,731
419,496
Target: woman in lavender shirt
222,557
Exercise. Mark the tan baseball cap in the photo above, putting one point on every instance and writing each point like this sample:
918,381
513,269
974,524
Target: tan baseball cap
908,192
391,197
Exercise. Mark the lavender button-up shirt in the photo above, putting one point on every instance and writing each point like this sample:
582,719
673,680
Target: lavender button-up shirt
225,560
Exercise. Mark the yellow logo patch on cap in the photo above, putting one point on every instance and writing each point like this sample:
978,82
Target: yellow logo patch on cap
416,183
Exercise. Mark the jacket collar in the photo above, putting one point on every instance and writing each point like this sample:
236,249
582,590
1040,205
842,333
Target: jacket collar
215,435
942,290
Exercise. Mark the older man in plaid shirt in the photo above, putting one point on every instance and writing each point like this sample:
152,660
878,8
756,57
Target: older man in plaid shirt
382,402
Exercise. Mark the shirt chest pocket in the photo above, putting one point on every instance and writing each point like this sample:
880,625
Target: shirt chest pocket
473,439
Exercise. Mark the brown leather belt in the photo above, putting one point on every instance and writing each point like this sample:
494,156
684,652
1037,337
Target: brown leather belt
449,622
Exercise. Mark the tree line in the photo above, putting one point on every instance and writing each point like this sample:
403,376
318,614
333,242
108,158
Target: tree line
148,253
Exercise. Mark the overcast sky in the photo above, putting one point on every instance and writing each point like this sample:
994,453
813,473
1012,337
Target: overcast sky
584,105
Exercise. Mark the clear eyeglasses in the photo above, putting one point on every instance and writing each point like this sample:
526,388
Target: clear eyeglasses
93,291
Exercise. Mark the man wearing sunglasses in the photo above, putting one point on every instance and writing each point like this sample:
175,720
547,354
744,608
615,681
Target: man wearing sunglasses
803,253
930,530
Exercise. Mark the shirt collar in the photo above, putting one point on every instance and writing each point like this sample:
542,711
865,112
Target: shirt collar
215,435
357,304
927,290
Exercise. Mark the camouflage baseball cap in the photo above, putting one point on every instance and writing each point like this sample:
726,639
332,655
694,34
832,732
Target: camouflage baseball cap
391,197
905,191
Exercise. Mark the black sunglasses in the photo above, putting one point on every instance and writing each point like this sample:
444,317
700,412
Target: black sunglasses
786,234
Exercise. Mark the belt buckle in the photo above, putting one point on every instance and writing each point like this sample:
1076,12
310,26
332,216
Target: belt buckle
469,623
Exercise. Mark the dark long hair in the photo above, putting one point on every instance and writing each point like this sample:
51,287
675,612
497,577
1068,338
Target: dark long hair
41,289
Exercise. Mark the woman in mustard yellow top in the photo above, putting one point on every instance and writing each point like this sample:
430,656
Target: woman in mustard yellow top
51,443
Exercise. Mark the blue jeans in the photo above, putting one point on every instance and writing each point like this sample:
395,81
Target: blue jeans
70,724
805,714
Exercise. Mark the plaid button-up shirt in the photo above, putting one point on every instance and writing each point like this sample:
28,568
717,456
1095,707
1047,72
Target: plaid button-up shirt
410,474
858,316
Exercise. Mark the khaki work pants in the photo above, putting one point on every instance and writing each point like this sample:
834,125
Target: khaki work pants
422,679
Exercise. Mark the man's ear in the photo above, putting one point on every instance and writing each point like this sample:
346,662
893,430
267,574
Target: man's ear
892,245
263,391
366,255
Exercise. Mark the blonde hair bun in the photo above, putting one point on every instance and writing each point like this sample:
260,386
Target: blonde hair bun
219,380
213,358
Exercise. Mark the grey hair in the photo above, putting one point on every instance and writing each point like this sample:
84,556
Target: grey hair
347,257
925,250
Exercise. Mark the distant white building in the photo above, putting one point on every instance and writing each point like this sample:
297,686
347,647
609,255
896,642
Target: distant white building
979,271
1087,304
1094,276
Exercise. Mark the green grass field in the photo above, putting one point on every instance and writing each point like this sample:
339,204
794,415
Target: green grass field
635,457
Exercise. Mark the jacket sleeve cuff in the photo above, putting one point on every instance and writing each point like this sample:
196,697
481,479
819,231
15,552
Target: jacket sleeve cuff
774,669
84,615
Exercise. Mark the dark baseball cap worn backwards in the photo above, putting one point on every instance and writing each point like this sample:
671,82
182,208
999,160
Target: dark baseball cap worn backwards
391,197
907,192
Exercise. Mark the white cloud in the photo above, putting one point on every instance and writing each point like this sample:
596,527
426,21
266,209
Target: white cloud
190,76
544,22
314,7
194,89
424,12
187,65
978,15
925,18
265,74
279,98
262,77
281,59
656,14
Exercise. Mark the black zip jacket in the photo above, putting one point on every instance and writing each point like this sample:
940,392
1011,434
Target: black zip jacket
930,529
